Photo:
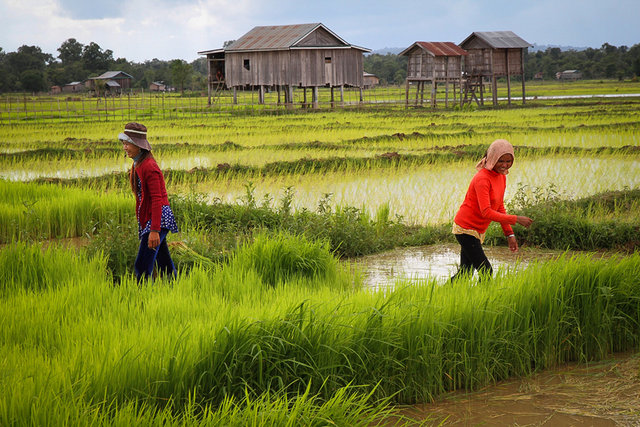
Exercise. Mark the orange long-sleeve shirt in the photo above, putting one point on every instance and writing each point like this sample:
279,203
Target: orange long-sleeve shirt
484,202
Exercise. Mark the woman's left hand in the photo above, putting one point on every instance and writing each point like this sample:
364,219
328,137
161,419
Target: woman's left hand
154,239
513,243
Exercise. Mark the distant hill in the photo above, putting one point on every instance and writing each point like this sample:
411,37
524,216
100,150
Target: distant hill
386,50
543,47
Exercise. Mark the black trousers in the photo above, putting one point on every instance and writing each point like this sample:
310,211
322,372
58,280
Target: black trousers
472,257
148,258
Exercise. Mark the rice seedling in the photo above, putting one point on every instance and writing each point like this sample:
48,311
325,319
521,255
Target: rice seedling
220,334
34,212
263,325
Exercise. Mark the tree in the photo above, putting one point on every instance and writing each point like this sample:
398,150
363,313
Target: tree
70,51
33,80
180,71
28,58
94,59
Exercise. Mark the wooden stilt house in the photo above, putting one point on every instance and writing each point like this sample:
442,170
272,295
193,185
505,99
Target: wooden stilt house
434,63
284,57
492,54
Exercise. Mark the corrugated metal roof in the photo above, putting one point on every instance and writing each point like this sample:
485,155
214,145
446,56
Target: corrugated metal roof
276,37
499,39
442,48
111,75
437,48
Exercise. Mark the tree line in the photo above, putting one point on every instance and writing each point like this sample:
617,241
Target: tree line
606,62
29,69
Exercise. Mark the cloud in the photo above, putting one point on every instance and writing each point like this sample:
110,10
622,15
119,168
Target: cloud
140,30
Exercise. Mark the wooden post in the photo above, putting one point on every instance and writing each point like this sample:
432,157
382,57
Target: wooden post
342,95
361,95
406,93
417,92
506,57
209,81
434,86
314,97
446,93
261,95
332,99
522,74
289,96
304,98
235,95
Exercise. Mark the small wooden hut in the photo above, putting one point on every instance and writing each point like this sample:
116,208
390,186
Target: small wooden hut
287,56
492,54
370,80
433,62
73,87
111,81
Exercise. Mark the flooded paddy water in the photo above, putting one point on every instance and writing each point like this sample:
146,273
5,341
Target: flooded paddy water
437,262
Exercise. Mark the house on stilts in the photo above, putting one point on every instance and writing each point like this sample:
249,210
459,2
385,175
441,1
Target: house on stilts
491,55
434,63
285,57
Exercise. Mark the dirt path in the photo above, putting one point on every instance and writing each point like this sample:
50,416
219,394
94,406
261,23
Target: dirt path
605,393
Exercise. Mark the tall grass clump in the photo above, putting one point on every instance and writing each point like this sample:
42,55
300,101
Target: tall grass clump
280,257
30,267
41,211
88,347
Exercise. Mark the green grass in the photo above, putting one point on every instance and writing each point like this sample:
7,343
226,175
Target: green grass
224,334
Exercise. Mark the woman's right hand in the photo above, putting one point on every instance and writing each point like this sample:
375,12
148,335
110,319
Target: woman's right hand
525,221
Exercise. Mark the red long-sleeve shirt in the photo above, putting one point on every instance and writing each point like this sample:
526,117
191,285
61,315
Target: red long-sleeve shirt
153,193
484,202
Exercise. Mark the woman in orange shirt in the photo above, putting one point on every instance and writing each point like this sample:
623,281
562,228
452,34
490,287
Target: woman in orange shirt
483,203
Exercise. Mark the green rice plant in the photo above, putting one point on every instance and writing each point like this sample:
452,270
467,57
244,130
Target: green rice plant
36,212
32,268
279,257
601,221
217,334
118,244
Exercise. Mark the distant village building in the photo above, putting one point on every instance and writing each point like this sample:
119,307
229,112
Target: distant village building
56,89
157,87
433,62
569,75
111,81
492,54
370,80
285,57
538,75
73,87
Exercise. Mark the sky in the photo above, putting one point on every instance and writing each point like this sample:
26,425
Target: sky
141,30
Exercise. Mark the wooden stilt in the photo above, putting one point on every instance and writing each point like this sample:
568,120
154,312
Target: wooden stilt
434,86
506,58
406,93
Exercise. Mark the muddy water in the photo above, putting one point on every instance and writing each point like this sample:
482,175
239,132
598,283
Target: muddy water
437,262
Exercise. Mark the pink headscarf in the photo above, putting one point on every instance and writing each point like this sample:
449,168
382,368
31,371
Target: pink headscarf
495,151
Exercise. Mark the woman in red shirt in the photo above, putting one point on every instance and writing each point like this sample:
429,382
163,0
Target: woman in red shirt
155,218
483,203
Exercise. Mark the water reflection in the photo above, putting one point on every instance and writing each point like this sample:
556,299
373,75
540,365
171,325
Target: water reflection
438,262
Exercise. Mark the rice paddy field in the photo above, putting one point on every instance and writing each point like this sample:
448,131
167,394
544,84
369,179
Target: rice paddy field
267,322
